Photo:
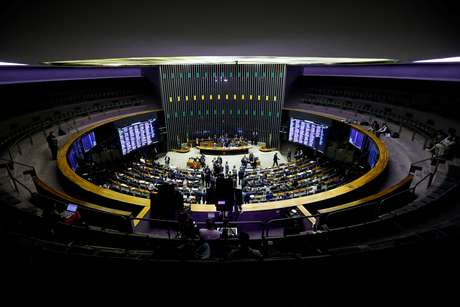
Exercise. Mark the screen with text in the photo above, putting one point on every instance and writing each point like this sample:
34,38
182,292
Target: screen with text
308,133
136,135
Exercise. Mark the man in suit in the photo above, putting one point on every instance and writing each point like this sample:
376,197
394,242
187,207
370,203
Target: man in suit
275,159
52,144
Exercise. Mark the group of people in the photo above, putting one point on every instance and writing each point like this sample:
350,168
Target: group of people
250,160
197,162
197,241
443,144
224,141
379,130
218,170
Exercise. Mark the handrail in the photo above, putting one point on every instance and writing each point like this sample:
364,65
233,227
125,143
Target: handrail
167,222
85,204
423,160
18,163
272,221
23,185
14,179
395,195
175,222
421,180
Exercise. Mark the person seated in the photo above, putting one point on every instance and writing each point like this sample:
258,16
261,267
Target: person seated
243,250
444,146
210,232
187,227
374,127
385,130
269,195
202,250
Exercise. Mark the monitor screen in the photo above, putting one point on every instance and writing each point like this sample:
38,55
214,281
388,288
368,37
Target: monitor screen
308,133
230,231
373,154
88,141
72,155
72,207
136,135
356,138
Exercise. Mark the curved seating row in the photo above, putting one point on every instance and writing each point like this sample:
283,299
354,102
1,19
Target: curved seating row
408,119
20,128
92,214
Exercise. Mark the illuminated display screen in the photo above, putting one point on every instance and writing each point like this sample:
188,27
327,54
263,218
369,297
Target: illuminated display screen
136,135
356,138
373,154
308,133
73,154
88,141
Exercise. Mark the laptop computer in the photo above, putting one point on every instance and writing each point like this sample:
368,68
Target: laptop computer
72,207
232,232
70,210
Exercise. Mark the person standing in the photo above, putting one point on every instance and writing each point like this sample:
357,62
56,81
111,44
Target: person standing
241,175
289,156
227,168
275,159
52,144
202,175
166,160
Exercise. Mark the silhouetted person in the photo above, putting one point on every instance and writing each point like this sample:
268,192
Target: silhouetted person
243,250
240,175
275,159
374,127
52,144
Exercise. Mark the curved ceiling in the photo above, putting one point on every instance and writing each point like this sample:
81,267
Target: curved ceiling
40,31
148,61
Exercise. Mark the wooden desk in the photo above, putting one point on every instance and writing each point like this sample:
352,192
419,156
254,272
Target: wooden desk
191,163
221,151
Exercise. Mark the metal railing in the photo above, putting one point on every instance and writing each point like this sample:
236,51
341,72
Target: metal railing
9,166
174,225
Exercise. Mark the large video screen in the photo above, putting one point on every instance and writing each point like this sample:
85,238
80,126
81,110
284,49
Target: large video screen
356,138
74,153
373,154
308,133
136,135
88,141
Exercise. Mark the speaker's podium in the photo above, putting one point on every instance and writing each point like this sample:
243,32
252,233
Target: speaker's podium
226,198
